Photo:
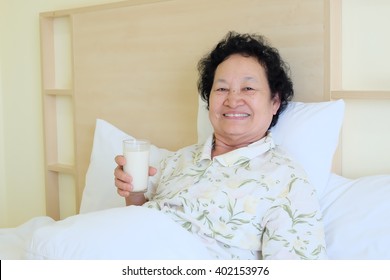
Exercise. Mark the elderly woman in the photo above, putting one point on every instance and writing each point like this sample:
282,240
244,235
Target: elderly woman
241,195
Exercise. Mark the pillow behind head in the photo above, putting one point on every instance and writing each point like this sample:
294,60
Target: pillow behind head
309,132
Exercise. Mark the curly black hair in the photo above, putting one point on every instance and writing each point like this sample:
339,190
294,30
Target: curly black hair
252,45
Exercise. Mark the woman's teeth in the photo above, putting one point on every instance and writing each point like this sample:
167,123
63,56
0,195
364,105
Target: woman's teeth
236,115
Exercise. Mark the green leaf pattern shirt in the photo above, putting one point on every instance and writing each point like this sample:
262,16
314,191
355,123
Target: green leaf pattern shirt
250,203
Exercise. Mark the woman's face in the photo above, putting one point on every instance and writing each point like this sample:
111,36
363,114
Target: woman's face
240,105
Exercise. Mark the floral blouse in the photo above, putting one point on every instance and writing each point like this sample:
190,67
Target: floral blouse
250,203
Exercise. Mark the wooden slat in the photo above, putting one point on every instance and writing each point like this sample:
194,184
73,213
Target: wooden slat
335,43
360,94
62,168
58,92
100,7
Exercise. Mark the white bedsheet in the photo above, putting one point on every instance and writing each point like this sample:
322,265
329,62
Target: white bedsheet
14,240
357,217
117,233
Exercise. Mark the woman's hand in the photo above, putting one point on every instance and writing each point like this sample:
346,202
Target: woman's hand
123,183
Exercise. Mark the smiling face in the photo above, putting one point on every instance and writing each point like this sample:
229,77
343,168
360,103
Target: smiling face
241,107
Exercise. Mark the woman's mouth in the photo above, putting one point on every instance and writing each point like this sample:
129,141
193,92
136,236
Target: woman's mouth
236,115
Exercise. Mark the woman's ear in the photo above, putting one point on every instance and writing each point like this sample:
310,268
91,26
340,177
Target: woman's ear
275,103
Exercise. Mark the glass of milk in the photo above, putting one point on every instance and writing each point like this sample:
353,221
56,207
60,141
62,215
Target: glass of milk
136,152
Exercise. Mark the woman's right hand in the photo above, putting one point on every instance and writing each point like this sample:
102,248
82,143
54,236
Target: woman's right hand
123,180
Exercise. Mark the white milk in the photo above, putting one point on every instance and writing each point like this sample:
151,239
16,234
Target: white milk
137,165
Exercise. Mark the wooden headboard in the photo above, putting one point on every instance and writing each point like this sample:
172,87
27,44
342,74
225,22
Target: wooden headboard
133,63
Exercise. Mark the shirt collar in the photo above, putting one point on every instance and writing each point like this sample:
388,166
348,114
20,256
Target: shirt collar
240,155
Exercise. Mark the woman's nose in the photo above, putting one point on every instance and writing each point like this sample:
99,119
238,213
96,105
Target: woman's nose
233,98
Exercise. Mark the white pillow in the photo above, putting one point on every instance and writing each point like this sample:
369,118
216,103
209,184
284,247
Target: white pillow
356,217
122,233
100,191
309,132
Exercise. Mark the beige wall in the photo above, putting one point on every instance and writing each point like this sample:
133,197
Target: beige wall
21,148
366,138
366,67
3,193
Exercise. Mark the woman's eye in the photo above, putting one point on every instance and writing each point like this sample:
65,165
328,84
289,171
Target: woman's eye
249,90
222,89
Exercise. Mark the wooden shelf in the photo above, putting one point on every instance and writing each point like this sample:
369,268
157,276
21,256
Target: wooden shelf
360,94
62,168
340,69
59,92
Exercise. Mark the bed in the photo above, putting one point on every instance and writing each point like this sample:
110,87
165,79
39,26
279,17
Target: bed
105,43
355,211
